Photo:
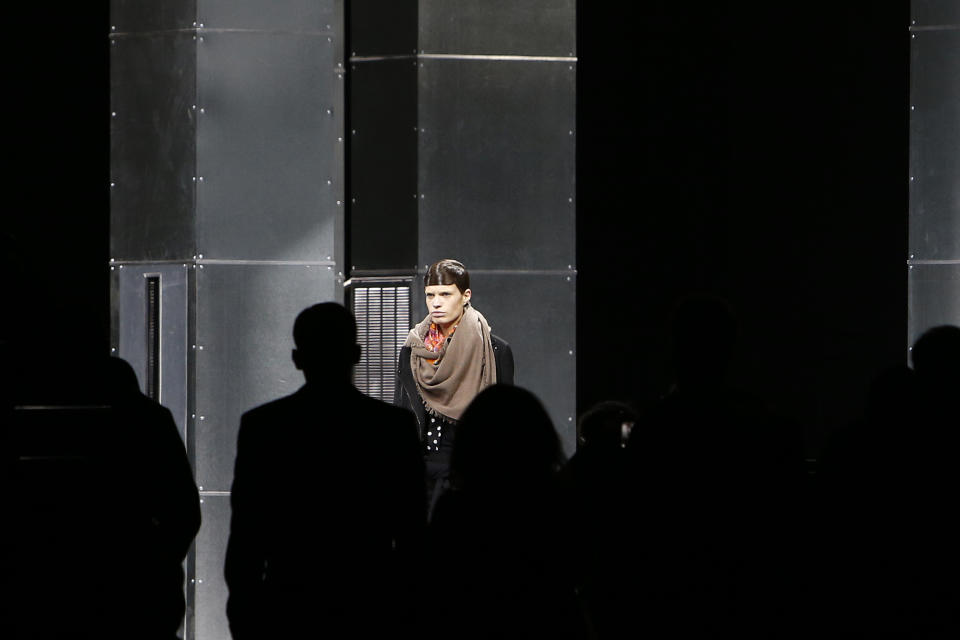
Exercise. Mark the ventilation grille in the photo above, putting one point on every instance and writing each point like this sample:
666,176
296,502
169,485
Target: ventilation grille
383,322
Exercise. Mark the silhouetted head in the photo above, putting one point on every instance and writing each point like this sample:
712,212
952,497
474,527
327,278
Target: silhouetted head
704,332
606,424
936,357
505,439
122,379
325,336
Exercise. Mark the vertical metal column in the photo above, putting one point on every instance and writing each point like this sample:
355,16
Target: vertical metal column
227,171
496,171
934,262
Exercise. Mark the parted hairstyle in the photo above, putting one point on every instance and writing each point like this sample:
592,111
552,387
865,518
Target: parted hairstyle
447,271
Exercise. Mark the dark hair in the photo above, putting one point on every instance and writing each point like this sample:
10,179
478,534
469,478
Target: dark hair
505,439
936,353
447,271
603,423
329,324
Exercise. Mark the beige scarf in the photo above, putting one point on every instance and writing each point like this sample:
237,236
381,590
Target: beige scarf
463,367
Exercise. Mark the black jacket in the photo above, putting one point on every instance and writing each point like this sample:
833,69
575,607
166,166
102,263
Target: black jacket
328,499
407,396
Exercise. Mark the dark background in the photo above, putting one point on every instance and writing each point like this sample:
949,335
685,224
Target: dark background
758,153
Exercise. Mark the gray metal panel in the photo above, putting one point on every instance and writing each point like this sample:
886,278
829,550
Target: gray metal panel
152,146
496,163
934,297
245,317
536,314
210,587
934,141
383,164
131,330
935,12
533,27
269,146
128,16
285,15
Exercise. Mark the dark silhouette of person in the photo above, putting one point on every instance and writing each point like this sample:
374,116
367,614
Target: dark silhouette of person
328,506
109,504
715,477
497,550
155,531
891,558
595,487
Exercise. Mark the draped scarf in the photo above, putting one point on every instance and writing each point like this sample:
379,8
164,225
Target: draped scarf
450,377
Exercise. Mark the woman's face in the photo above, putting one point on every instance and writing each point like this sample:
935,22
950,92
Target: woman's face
445,303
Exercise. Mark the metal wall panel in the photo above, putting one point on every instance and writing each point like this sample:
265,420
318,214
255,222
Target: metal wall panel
383,165
536,314
128,16
269,146
245,317
934,297
152,146
382,27
532,28
935,12
934,141
496,162
210,614
279,15
131,304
